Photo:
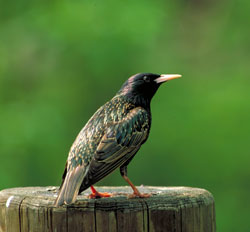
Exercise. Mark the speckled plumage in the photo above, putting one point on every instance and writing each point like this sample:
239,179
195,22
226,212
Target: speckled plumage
110,138
111,121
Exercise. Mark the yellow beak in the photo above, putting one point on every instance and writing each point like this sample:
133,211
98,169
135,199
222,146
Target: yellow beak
167,77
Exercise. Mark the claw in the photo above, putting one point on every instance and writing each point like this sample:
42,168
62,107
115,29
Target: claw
95,194
136,191
138,194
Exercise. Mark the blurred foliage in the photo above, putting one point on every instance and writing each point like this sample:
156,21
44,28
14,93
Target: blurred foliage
61,60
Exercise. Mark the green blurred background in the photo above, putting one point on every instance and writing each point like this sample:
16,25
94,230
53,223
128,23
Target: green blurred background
61,60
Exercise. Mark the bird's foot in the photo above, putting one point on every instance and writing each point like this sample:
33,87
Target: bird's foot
136,191
95,194
99,195
138,194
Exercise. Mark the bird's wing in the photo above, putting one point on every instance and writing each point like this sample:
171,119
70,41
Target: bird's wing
119,143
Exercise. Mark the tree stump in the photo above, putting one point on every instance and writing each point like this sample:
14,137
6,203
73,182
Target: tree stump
179,209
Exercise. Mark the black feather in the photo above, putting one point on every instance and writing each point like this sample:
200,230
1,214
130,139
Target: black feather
110,138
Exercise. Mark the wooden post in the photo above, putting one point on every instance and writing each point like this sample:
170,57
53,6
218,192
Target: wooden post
179,209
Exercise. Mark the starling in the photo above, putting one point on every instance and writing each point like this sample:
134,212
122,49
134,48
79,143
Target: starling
111,138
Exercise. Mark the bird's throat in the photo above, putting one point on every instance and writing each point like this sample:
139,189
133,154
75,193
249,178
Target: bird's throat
139,100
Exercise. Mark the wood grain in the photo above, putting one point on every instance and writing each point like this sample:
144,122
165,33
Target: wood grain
171,209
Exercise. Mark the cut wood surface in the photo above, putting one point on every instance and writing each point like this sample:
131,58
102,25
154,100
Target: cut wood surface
179,209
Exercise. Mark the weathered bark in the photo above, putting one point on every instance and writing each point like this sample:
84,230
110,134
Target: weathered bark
169,209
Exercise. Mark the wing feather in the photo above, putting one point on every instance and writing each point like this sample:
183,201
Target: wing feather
119,143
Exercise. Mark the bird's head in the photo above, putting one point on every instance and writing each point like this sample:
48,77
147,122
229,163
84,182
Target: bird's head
141,87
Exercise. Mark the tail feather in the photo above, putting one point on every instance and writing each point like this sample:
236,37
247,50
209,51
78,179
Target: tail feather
71,185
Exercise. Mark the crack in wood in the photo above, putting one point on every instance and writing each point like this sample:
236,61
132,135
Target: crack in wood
147,216
19,214
95,216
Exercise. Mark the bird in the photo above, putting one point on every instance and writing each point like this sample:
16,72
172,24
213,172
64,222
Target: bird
111,138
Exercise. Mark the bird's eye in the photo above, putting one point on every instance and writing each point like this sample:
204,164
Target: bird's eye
146,79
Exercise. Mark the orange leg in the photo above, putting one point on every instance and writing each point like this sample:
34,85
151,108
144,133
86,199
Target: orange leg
136,191
96,194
